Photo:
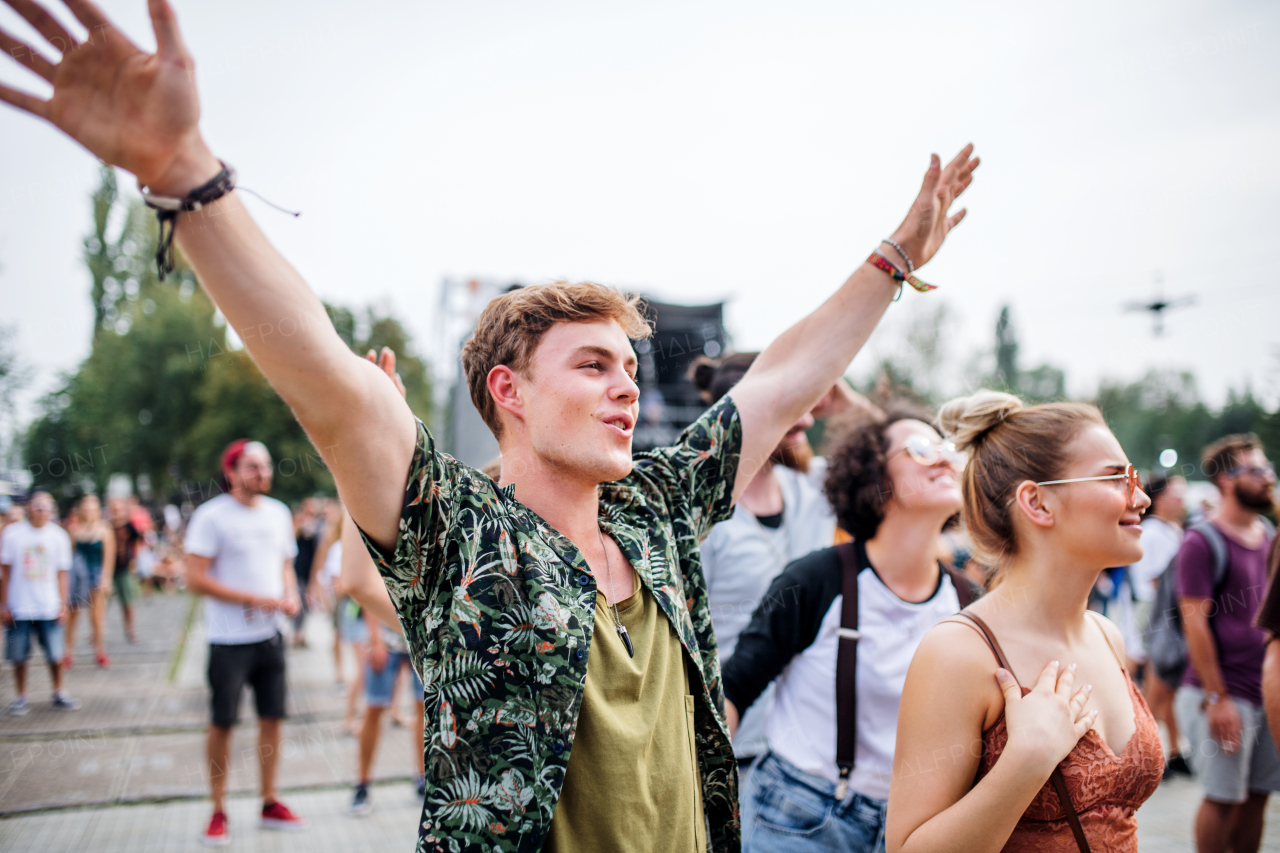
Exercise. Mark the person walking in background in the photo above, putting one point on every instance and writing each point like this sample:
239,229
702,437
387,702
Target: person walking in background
127,538
892,482
387,656
1222,576
240,548
308,526
326,568
35,565
982,764
782,516
94,540
1161,539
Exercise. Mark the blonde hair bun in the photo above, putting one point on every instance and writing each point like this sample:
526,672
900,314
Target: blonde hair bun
967,420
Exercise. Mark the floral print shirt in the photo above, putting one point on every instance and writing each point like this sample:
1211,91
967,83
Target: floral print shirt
498,609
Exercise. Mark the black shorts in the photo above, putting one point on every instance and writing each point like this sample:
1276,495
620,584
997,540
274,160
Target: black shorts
260,665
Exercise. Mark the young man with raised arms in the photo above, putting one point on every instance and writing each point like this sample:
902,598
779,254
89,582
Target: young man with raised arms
558,618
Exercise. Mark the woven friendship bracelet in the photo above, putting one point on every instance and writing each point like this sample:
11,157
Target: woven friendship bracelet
880,262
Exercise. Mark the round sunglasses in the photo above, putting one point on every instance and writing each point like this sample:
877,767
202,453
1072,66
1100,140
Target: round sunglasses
1132,482
928,452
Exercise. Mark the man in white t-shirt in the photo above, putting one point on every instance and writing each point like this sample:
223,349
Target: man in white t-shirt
35,561
240,549
1161,540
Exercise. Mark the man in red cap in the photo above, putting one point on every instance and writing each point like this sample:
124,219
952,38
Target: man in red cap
240,549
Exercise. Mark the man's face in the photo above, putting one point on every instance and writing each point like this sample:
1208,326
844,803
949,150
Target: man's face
794,450
1254,482
252,472
41,509
1173,499
580,400
118,510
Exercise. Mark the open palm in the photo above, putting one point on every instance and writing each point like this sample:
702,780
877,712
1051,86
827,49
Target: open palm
135,110
927,223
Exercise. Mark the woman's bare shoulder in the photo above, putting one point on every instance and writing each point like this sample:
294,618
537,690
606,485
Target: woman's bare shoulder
954,665
956,641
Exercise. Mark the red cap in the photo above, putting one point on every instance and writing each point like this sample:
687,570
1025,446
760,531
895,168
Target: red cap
231,455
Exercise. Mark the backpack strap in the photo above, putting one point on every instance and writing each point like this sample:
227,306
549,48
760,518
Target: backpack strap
1221,553
1059,783
847,668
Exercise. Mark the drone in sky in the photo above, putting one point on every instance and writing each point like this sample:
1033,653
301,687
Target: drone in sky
1158,305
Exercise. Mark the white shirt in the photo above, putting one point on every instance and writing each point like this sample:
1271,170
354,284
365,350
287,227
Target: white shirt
741,557
802,723
34,556
1160,543
248,546
332,567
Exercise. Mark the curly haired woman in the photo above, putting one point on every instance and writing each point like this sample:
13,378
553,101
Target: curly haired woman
893,484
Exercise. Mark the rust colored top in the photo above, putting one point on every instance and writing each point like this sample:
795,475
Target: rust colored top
1106,788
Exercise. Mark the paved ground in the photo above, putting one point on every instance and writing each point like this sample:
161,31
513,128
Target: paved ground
126,772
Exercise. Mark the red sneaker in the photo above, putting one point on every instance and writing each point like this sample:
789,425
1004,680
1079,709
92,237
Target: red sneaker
277,816
216,835
104,662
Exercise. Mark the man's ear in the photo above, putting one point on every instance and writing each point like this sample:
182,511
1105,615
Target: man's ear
504,386
1222,482
1030,502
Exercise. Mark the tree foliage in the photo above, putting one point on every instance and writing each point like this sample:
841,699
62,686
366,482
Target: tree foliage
1162,410
162,390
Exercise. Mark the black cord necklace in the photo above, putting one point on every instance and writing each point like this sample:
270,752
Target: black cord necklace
617,620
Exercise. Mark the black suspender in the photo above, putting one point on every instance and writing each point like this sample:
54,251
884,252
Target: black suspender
847,668
847,658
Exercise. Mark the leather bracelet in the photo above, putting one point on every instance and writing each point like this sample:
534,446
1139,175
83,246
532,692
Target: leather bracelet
167,209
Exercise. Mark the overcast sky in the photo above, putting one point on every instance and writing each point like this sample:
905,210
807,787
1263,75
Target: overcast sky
754,152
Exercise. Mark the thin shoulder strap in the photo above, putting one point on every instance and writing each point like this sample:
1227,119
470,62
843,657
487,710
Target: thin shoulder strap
990,637
1059,783
1114,653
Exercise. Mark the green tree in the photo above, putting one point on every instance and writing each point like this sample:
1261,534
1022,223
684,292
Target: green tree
1006,375
127,408
236,401
162,393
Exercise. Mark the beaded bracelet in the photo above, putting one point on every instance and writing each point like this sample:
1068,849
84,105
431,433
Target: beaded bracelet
911,268
880,262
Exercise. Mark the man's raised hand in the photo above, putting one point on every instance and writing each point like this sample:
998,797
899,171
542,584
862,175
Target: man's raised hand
927,223
134,110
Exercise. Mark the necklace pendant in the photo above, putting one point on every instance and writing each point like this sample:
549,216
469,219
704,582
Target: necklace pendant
626,639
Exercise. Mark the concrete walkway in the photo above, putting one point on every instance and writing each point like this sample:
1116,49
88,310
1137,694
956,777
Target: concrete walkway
126,772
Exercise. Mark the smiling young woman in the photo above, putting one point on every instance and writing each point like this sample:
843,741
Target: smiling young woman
893,484
1050,501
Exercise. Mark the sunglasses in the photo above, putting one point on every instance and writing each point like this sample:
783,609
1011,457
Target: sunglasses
1267,470
1132,481
928,452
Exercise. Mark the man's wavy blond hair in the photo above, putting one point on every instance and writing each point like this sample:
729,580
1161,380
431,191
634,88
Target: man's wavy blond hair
511,327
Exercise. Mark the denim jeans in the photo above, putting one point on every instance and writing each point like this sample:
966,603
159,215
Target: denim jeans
785,810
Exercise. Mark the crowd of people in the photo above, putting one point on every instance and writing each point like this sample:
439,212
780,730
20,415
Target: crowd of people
726,643
76,563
